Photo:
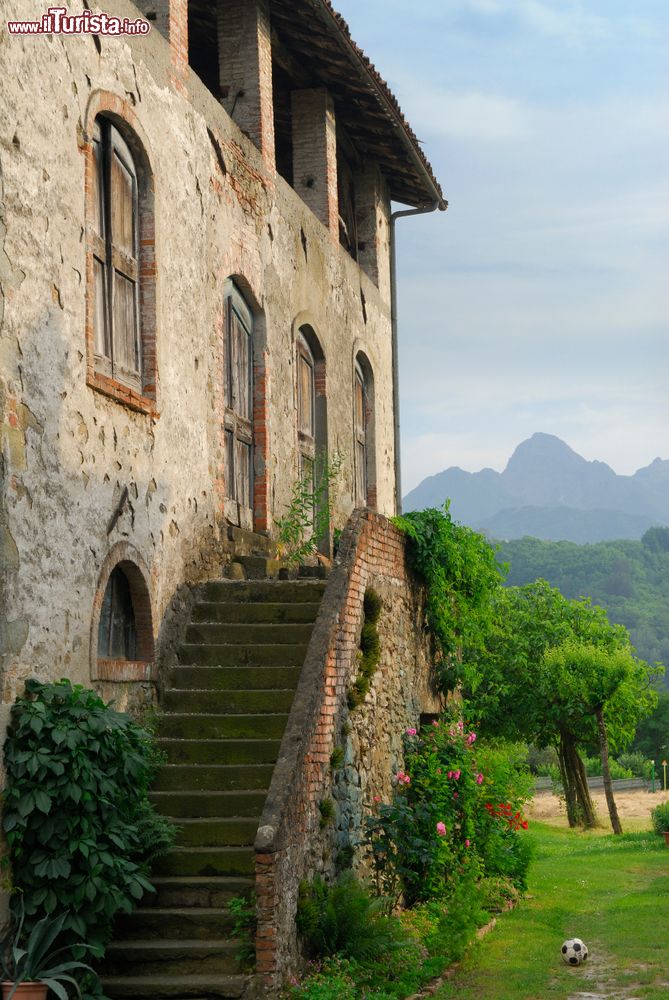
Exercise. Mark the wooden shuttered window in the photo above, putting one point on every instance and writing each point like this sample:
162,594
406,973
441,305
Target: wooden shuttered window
360,432
238,412
115,257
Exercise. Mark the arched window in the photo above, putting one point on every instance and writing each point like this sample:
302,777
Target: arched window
363,433
122,645
117,631
238,408
120,326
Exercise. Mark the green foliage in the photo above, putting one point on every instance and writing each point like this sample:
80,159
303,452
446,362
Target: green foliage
370,650
244,926
659,817
327,810
372,606
337,758
652,735
307,519
461,574
343,919
440,832
34,957
519,688
630,579
78,823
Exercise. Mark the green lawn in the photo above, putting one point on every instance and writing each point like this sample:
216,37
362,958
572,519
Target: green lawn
613,892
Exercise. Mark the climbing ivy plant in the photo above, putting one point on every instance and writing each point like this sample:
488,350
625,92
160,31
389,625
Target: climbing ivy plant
461,574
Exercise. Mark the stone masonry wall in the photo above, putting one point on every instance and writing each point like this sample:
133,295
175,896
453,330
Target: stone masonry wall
82,472
292,843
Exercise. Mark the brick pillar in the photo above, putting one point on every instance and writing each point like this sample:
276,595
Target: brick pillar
315,155
373,226
245,70
170,18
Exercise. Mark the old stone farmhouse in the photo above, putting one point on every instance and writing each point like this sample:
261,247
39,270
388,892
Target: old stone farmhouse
196,297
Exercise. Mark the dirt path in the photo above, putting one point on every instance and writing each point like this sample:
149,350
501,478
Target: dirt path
633,806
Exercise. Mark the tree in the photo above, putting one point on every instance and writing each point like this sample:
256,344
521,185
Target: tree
610,687
513,690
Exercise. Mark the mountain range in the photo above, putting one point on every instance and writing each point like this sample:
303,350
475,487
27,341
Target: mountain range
549,491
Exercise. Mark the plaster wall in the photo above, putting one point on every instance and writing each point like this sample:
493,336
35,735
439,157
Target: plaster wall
68,451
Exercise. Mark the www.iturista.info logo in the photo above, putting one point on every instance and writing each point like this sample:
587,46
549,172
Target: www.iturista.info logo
58,21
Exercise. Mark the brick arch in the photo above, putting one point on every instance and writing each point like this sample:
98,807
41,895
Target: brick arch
113,108
125,557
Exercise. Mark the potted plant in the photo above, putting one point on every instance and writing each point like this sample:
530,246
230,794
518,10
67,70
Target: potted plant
660,820
31,964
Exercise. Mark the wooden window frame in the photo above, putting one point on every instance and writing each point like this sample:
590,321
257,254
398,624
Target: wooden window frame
306,431
360,435
136,389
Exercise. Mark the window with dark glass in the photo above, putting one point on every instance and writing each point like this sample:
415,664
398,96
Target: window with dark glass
238,407
115,257
117,633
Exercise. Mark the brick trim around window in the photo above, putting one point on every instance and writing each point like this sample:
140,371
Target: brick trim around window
122,116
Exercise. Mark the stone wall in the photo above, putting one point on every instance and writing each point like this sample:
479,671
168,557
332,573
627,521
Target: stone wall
84,470
293,843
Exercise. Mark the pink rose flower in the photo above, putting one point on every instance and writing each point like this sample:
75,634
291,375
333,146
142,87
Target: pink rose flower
467,843
441,829
471,738
411,732
479,779
456,774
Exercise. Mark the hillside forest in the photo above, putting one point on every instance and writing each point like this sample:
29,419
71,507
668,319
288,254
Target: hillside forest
630,579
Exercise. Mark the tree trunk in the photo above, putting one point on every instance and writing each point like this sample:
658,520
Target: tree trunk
580,808
606,771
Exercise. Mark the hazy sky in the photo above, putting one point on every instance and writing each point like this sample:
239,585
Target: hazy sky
538,301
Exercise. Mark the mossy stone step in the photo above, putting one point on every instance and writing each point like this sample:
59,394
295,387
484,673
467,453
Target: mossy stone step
239,634
181,803
285,654
228,702
166,987
222,727
217,832
174,923
271,591
266,612
220,751
217,777
197,891
175,958
233,678
206,861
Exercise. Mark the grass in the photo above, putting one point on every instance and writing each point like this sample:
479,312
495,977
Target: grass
613,892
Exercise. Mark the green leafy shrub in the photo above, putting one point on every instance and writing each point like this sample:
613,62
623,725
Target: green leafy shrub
309,512
79,826
372,606
343,919
337,758
636,763
326,808
244,926
660,818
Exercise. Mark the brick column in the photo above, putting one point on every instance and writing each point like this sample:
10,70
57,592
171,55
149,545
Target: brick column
245,70
373,224
170,18
315,155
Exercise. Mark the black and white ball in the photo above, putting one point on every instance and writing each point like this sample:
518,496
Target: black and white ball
574,951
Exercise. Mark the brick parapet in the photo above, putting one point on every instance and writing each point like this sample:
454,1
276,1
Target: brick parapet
292,844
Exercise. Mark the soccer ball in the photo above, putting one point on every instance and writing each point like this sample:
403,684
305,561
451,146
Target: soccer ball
574,951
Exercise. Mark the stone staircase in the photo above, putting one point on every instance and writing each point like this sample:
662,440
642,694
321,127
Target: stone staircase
225,708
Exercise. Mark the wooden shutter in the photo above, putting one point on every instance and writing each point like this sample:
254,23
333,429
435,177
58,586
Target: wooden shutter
238,411
114,229
124,263
360,431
